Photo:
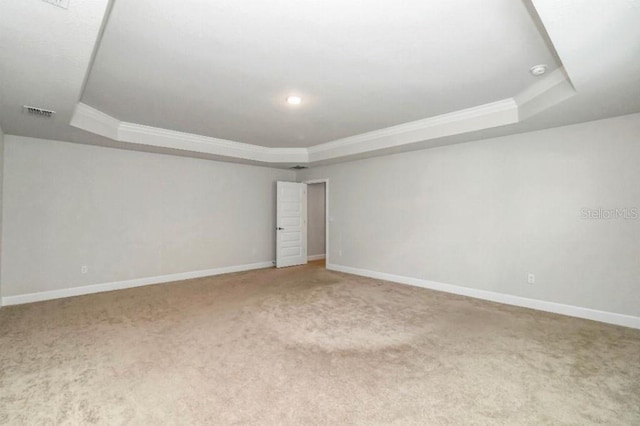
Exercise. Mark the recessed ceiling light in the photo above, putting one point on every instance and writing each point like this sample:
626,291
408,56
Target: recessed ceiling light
538,70
294,100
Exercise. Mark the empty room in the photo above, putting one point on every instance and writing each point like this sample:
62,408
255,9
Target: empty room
320,212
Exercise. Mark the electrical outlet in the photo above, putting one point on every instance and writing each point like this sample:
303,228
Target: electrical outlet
84,269
531,279
340,252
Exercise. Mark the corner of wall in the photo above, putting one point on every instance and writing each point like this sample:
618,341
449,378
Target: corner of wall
1,203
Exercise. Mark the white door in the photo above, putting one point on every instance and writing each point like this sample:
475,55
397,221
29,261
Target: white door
291,224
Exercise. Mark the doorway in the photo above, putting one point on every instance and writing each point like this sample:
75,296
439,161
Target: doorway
317,221
302,223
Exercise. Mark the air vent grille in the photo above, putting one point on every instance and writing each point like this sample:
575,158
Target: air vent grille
299,167
39,112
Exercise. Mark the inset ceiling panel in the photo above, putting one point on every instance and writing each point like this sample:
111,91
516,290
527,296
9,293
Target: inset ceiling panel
225,69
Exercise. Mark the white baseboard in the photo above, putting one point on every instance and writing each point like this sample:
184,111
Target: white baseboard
315,257
119,285
541,305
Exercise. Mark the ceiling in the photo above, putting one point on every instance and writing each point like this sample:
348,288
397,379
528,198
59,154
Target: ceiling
224,69
210,79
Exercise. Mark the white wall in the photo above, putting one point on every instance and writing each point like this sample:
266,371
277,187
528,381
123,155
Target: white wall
315,219
485,214
127,215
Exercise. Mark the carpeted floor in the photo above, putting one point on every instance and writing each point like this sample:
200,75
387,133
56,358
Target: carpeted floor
307,346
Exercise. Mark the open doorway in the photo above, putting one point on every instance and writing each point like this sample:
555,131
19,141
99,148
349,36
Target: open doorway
317,221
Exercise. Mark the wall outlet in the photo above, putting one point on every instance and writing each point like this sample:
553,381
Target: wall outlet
340,252
531,279
84,269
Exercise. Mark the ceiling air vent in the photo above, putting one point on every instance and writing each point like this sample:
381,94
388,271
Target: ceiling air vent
299,167
39,112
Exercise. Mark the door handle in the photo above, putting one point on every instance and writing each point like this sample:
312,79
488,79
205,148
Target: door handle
280,229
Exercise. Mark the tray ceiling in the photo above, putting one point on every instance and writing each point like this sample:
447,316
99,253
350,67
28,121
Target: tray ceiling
224,69
209,79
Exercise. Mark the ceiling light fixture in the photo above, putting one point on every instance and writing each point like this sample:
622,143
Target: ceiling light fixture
294,100
538,70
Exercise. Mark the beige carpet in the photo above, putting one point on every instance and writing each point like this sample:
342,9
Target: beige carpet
307,346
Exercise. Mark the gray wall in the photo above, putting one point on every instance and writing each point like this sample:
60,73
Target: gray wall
485,214
127,215
1,198
315,219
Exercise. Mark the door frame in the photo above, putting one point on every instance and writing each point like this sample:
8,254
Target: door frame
327,220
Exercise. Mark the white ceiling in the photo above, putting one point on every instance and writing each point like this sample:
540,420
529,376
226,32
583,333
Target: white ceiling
223,69
45,52
209,79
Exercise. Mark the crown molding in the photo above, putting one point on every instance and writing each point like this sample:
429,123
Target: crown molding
95,121
477,118
146,135
546,92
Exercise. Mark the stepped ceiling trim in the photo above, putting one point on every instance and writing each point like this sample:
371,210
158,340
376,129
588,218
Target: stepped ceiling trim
546,92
